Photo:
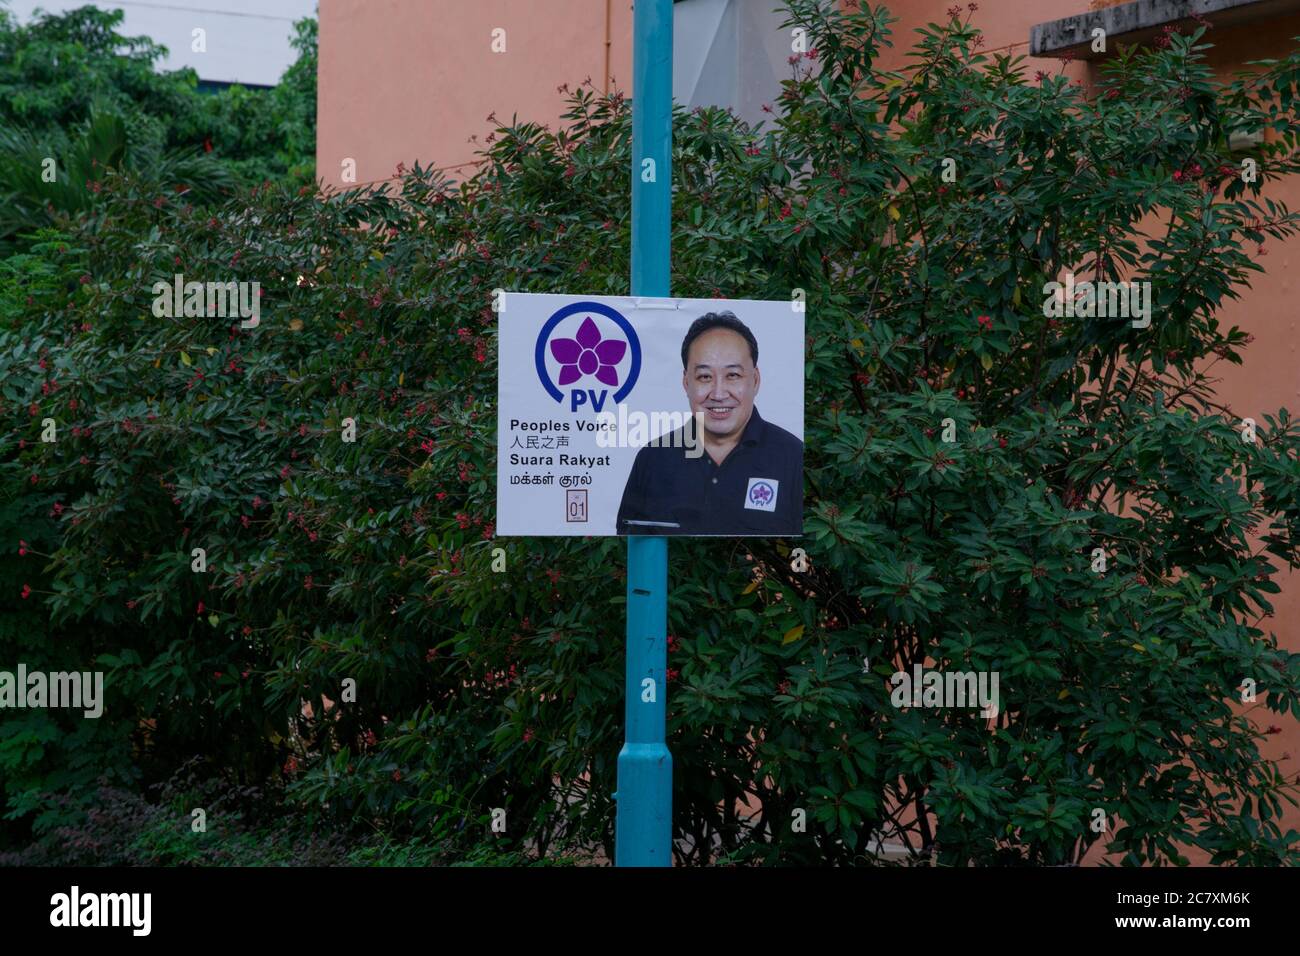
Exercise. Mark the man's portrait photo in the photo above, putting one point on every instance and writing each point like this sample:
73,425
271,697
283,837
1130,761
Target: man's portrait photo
728,471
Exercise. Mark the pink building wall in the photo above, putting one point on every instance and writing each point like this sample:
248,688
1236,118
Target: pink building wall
413,80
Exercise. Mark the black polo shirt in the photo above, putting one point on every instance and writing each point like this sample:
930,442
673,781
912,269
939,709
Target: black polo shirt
758,488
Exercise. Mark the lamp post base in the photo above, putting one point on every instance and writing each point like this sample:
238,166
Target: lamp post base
643,831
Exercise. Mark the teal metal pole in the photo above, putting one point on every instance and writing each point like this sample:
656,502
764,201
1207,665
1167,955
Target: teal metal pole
643,830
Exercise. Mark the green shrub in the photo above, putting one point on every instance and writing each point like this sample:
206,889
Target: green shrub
74,90
475,690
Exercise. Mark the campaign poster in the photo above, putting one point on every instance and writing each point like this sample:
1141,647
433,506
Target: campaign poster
626,415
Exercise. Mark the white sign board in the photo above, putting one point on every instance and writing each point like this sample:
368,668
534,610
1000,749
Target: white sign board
623,415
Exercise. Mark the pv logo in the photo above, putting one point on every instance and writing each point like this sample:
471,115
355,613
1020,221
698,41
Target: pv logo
761,494
588,345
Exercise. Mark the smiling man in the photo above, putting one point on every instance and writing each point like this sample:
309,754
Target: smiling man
749,479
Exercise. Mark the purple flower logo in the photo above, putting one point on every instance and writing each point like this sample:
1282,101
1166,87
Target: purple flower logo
761,493
609,354
586,354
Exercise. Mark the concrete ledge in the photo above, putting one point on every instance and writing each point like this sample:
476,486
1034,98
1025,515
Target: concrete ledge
1140,21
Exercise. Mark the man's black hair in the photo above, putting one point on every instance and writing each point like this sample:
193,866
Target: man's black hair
719,320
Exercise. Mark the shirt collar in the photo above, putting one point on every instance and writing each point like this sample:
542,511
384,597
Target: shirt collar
754,428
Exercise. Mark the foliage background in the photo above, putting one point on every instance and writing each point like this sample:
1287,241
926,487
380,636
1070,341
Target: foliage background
72,87
371,560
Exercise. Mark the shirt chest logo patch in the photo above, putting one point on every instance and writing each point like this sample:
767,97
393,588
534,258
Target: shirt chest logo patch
761,494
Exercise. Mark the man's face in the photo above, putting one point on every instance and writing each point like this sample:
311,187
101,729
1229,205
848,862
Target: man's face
721,382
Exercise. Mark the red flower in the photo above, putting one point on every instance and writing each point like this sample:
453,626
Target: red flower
217,674
22,547
672,673
985,322
207,145
199,609
528,735
26,591
308,583
247,630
